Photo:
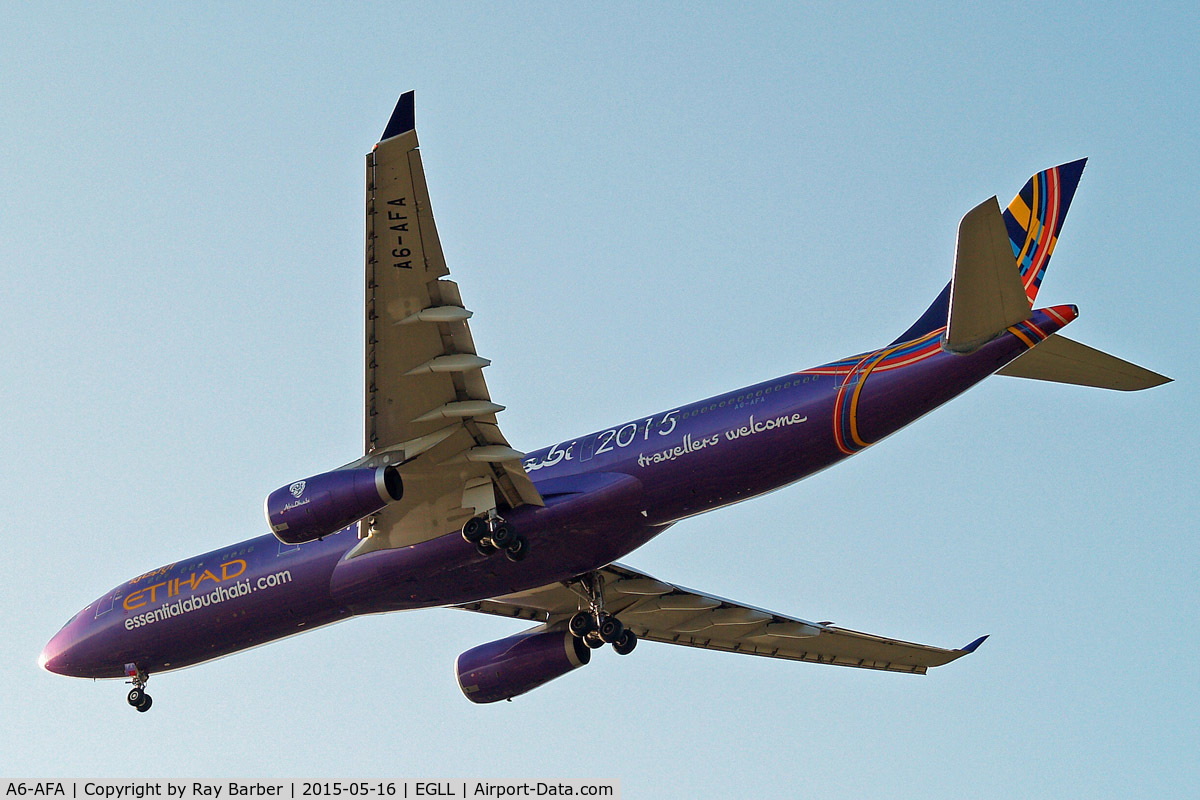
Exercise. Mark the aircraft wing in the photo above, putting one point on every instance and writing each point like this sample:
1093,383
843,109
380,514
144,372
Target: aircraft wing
662,612
428,410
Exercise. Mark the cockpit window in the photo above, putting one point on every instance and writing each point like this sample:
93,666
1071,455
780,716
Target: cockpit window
74,617
105,604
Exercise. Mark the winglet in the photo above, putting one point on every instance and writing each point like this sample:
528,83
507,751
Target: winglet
973,646
403,118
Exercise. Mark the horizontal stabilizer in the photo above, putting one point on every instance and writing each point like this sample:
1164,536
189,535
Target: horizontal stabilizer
986,294
1062,360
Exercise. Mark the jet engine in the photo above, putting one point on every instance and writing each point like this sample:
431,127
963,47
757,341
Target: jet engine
506,668
326,503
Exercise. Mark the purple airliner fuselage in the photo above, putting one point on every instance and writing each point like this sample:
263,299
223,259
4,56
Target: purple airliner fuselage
606,494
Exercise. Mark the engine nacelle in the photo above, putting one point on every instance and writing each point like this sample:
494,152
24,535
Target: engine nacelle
326,503
506,668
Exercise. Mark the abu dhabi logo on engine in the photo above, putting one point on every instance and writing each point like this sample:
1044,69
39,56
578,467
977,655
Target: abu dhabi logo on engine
297,489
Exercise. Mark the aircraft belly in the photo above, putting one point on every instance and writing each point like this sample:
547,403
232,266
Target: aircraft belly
573,533
756,454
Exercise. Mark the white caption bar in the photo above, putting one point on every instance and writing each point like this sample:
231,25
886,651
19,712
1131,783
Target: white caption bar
305,790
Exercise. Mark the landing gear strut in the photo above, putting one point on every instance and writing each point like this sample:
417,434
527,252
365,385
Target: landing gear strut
594,625
137,696
492,533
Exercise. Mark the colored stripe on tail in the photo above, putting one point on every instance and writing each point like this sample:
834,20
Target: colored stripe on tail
1035,217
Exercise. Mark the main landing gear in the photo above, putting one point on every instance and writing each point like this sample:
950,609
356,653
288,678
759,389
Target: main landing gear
597,627
137,696
492,533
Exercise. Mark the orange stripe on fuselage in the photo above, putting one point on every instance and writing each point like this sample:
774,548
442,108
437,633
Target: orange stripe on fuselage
858,391
1021,335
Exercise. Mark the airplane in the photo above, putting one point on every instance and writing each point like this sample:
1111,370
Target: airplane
441,511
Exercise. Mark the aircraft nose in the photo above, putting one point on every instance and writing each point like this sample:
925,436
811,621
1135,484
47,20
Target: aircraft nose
63,654
53,654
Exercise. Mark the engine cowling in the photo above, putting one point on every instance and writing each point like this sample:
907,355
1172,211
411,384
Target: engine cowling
326,503
503,669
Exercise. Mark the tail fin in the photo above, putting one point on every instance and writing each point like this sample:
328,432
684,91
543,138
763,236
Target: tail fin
1033,221
1035,217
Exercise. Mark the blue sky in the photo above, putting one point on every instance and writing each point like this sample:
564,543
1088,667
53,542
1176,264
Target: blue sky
643,207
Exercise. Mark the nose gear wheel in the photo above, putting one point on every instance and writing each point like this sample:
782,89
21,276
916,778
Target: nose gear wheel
137,696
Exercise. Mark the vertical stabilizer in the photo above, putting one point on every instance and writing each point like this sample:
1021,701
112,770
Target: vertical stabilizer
1034,219
1032,223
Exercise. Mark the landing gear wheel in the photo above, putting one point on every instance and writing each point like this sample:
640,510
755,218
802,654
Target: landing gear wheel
610,629
581,624
137,696
624,646
502,534
517,549
484,547
593,641
475,529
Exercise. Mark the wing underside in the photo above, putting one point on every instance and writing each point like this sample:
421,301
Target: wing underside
663,612
427,406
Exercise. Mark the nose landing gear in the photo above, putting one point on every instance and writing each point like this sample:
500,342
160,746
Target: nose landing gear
139,699
492,533
137,696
